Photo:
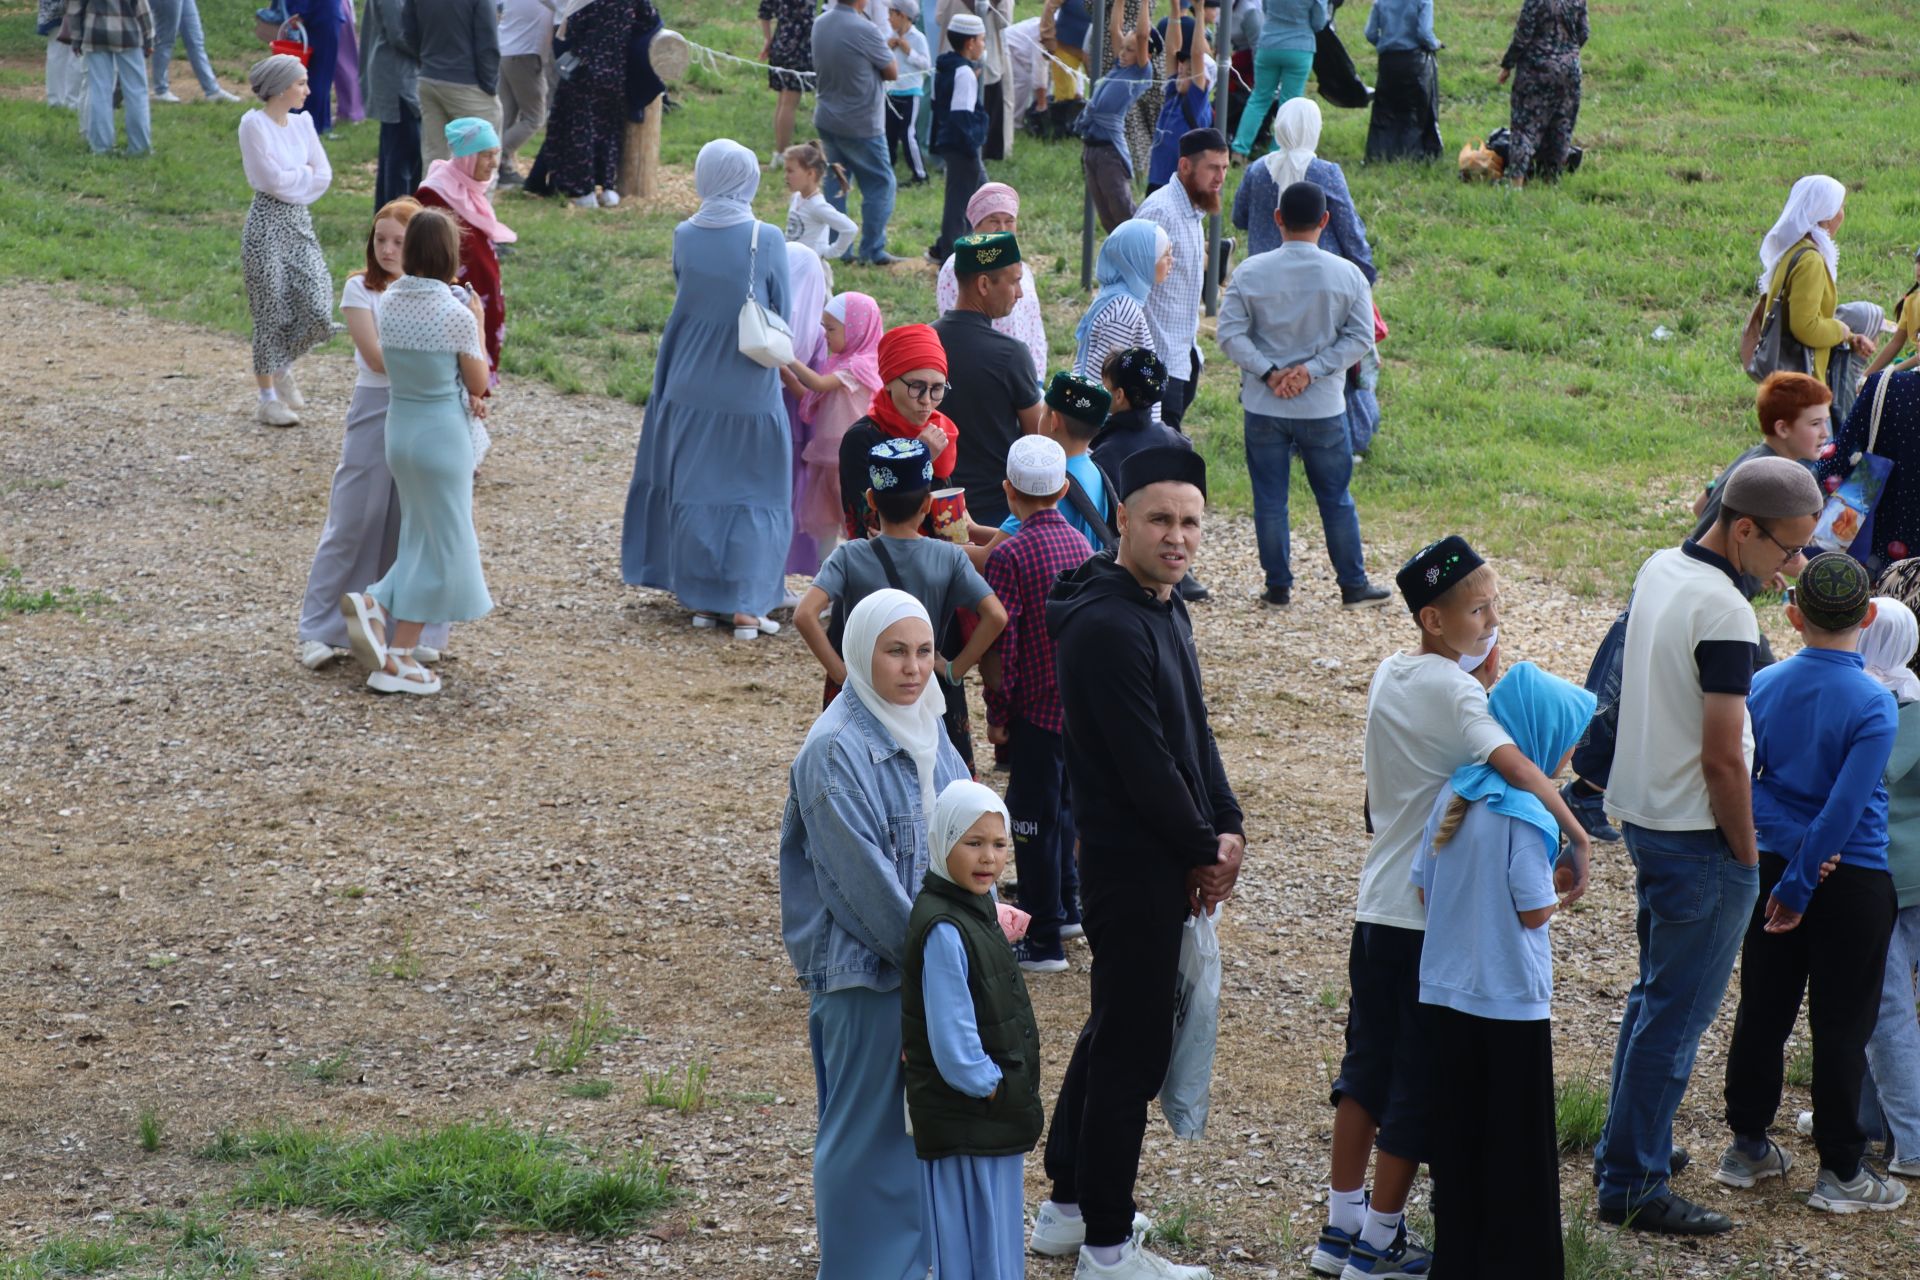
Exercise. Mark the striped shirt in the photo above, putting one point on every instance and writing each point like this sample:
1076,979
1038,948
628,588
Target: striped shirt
1122,324
1173,308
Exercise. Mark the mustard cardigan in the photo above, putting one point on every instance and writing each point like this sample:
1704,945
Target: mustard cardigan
1811,299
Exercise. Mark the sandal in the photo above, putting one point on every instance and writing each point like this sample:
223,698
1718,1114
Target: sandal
366,629
410,678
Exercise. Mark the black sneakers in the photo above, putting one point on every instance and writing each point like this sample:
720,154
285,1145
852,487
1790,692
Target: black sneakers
1364,596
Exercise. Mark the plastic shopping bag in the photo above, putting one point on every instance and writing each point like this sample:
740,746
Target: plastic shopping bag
1188,1090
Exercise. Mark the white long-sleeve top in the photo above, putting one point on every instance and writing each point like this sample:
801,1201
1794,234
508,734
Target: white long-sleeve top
813,222
286,161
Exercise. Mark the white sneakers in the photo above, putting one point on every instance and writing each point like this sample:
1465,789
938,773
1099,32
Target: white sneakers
275,413
1137,1262
315,654
220,95
587,201
1055,1235
609,199
289,390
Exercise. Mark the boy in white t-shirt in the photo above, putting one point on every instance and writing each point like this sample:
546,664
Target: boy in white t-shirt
1426,717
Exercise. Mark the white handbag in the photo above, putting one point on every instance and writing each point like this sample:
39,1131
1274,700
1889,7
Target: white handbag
765,338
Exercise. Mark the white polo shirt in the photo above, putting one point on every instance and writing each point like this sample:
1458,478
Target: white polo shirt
1690,632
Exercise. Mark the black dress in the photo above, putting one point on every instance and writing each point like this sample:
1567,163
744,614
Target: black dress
589,121
792,42
1896,520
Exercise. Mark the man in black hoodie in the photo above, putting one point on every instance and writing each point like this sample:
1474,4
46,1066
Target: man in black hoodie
1160,838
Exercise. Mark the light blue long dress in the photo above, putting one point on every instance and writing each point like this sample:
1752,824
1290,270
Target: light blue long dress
436,574
973,1207
710,510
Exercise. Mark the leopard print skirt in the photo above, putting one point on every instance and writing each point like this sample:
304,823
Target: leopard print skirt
289,293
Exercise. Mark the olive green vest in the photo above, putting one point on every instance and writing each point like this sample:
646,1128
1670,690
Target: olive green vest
947,1122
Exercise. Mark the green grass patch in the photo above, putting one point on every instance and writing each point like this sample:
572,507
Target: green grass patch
331,1069
1329,998
1174,1227
593,1090
403,964
18,599
685,1090
151,1130
1800,1067
461,1182
1579,1113
73,1255
593,1025
1594,1253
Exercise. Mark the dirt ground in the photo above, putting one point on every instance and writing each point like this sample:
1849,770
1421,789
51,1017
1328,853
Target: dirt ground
217,860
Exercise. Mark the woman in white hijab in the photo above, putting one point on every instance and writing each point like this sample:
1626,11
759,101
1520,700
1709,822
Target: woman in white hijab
853,851
710,510
1799,255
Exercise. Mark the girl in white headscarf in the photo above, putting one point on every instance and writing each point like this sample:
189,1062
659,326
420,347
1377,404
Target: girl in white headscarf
1800,256
853,854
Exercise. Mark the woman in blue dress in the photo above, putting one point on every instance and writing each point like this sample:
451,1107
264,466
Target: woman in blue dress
1296,136
710,510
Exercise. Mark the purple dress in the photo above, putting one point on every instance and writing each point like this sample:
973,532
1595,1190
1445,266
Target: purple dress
346,71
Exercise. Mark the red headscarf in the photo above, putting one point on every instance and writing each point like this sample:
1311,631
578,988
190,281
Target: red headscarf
902,350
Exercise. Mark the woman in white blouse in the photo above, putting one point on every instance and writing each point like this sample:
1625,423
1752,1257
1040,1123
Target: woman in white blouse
288,291
996,207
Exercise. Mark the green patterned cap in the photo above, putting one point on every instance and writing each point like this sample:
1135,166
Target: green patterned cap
988,251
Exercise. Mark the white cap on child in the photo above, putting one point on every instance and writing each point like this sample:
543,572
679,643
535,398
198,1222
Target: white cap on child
1037,466
966,24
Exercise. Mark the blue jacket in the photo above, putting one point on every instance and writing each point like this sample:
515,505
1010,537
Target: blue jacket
853,850
956,130
1345,235
1822,732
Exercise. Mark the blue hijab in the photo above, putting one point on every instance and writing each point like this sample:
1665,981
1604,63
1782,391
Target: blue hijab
1545,716
1125,270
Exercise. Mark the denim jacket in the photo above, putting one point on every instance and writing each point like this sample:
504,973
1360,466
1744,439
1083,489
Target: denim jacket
853,850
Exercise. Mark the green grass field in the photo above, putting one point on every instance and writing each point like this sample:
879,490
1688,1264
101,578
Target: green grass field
1526,402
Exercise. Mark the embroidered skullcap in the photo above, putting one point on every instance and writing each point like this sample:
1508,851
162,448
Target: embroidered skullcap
1195,141
992,198
470,135
1434,569
966,24
1160,463
1138,372
1037,466
1079,398
899,466
1772,488
1833,591
910,347
272,76
977,253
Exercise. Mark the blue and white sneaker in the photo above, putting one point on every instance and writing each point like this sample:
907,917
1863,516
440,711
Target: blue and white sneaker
1331,1254
1405,1259
1590,810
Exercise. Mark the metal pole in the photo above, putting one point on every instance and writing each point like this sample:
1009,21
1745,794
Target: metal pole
1222,78
1098,54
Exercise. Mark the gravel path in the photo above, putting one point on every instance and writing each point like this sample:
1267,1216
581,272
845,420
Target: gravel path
219,862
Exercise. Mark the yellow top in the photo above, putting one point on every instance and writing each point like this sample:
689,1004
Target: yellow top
1811,298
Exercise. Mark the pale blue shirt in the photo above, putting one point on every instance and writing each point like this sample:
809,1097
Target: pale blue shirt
1478,958
953,1030
1296,305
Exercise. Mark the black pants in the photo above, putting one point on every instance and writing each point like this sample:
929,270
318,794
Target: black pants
1837,958
994,96
1135,904
965,175
398,171
1042,829
1405,124
1177,396
903,111
1496,1158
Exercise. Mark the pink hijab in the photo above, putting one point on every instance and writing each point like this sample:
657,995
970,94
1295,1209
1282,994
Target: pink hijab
453,181
859,358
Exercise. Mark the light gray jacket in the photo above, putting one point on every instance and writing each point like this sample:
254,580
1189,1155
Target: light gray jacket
389,66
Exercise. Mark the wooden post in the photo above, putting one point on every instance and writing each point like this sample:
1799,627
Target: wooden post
640,156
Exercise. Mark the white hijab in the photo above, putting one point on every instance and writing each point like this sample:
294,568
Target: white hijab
1887,647
1296,134
916,729
960,806
1813,200
725,176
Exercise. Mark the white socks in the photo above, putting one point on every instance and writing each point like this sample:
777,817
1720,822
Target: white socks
1071,1212
1381,1228
268,393
1347,1210
1107,1255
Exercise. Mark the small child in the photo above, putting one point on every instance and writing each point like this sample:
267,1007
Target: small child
1076,410
959,126
903,98
933,571
831,400
1187,103
811,221
1823,731
1134,378
1105,158
972,1047
1485,875
1426,717
1023,698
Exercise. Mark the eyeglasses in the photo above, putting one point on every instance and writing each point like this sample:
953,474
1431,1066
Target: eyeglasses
1791,551
934,391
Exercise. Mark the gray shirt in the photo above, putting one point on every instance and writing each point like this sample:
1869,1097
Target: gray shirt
933,571
458,41
849,57
1296,305
389,69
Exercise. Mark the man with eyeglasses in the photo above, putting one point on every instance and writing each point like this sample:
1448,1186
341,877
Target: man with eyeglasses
993,397
1681,793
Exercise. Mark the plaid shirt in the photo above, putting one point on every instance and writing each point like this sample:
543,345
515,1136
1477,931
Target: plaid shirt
109,26
1021,571
1173,306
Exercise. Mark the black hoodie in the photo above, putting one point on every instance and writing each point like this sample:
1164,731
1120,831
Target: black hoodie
1146,776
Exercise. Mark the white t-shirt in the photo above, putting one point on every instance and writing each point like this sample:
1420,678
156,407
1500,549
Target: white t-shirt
355,294
1425,718
526,26
813,222
1686,636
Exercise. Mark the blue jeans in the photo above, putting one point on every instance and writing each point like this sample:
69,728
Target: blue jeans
1893,1054
180,18
866,159
129,67
1694,904
1325,452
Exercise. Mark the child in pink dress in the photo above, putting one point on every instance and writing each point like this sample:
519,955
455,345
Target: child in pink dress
833,399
